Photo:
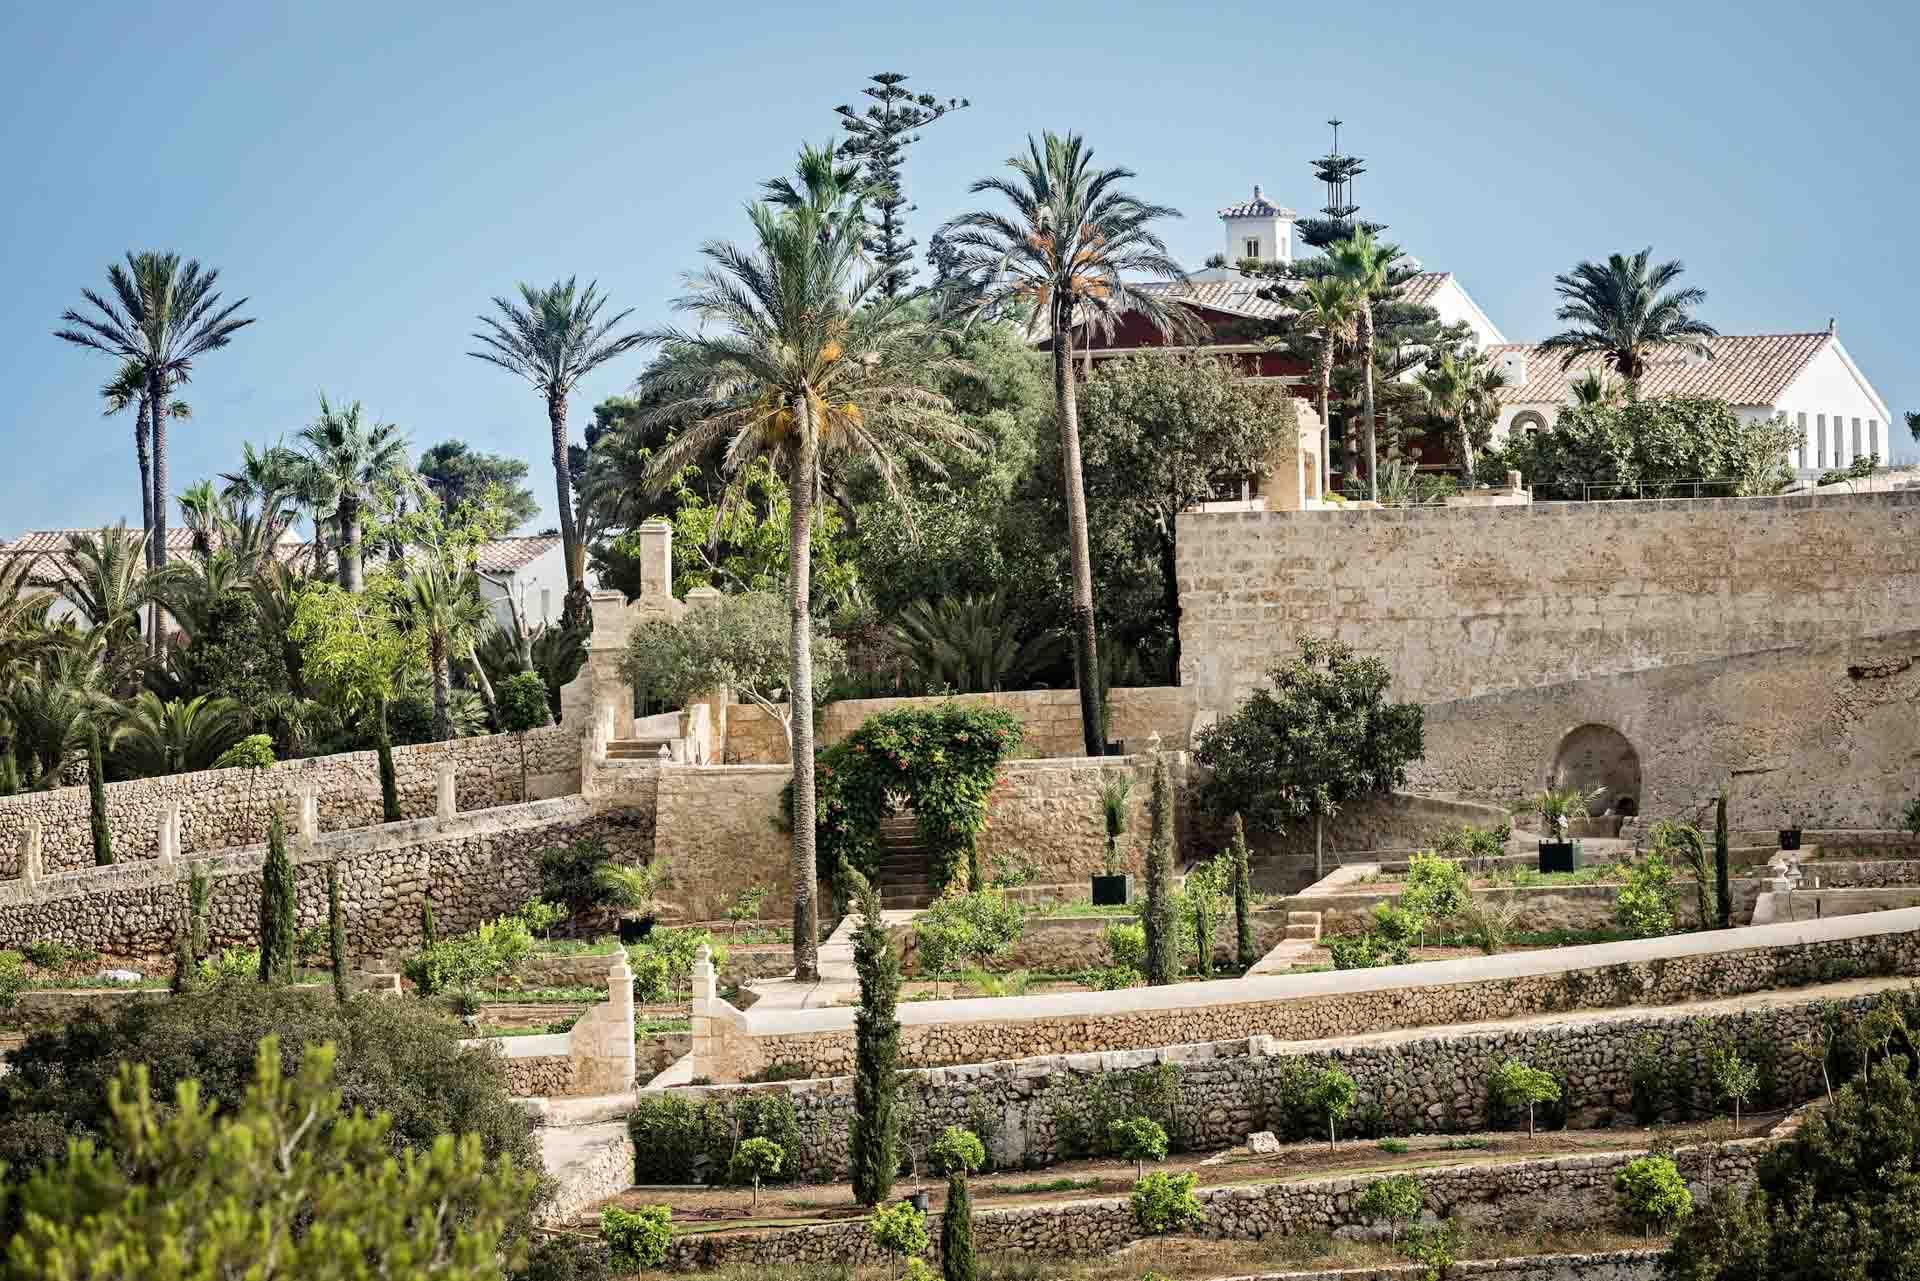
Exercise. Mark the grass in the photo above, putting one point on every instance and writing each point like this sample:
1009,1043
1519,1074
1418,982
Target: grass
1048,1185
605,945
581,995
93,983
657,1027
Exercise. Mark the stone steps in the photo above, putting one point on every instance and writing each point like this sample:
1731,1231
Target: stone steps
905,879
635,749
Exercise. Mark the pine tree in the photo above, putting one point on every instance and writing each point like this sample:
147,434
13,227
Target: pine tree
875,1138
97,798
1162,922
276,908
337,934
1243,896
1721,857
1337,171
879,139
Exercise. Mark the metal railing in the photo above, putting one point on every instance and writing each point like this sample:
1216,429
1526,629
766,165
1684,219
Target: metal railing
1692,487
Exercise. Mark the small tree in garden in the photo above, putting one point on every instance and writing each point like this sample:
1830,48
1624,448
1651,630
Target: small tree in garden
1246,951
1332,1095
1514,1084
875,1137
1734,1078
1138,1139
1162,917
1164,1202
637,1238
199,903
956,1154
1652,1192
1436,890
1205,894
1680,843
337,935
1324,734
1113,816
900,1230
756,1159
183,962
427,933
522,702
97,798
1644,905
277,927
355,651
1396,1199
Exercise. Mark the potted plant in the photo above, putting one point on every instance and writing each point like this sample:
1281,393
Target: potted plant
1557,807
1114,887
1790,837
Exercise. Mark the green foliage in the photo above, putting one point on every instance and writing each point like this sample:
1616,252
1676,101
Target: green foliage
663,961
1436,888
972,644
567,874
1113,816
285,1183
754,1160
1435,1248
1515,1084
1910,817
967,928
1162,916
1322,735
337,935
1205,897
958,1151
1331,1096
1734,1078
741,642
1245,949
1164,1203
1645,902
637,1238
1368,950
255,751
1680,843
899,1229
522,702
1127,946
457,474
684,1140
944,758
1114,978
277,912
1643,448
13,978
1652,1193
878,1114
746,906
231,965
1397,1199
1084,1117
52,954
356,652
957,1262
97,799
492,951
1137,1139
1469,841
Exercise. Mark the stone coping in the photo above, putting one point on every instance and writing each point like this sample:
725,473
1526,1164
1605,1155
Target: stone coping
1577,510
1545,1264
549,1046
1283,987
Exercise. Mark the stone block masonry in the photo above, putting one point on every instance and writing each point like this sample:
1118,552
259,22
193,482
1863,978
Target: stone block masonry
223,808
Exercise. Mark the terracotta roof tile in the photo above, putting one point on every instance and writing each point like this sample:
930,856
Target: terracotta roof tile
1749,369
1258,207
506,555
1239,295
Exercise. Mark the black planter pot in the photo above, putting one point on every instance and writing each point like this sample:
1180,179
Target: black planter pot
633,930
1559,856
922,1201
1116,747
1789,838
1112,891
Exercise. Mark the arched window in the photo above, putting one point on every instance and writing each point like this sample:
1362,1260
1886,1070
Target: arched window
1528,421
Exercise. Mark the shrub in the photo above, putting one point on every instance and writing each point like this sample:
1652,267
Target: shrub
564,1259
1645,902
1396,1199
682,1140
1127,946
231,965
1138,1139
663,961
1514,1084
1910,817
522,701
746,905
957,1151
1734,1078
1652,1192
1435,1248
566,874
493,951
637,1238
755,1159
962,928
13,978
255,751
1163,1202
1365,951
899,1229
51,955
1332,1097
1436,889
1162,917
1114,978
1013,867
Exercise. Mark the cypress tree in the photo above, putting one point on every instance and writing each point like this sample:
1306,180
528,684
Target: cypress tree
97,798
956,1231
1162,921
182,958
389,785
426,923
876,1036
199,901
1721,856
1243,896
336,933
276,908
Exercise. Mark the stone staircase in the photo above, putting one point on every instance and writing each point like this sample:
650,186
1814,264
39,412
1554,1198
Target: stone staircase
1303,934
636,749
906,881
1303,926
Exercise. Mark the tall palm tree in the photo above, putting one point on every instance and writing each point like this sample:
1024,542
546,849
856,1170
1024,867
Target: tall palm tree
205,515
1363,263
443,600
129,388
1326,306
163,316
355,462
1623,310
553,338
267,481
1063,255
800,359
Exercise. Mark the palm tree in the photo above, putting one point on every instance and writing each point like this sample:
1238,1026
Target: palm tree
1461,387
1594,390
553,338
267,481
104,575
353,462
129,387
800,359
151,737
205,515
1327,307
1364,263
1062,256
443,600
971,644
1621,313
50,702
163,316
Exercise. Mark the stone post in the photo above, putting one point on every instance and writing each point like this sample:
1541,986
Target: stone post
306,820
30,854
705,995
170,832
446,803
619,1029
656,559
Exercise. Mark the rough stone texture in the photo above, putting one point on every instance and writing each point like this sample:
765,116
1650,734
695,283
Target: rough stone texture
1311,1006
1567,1193
224,808
475,865
720,833
545,1076
1283,862
1543,907
1463,602
1606,1265
1050,717
1228,1091
1049,810
588,1164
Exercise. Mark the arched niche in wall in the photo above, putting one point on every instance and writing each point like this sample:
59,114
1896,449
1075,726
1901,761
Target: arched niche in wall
1600,763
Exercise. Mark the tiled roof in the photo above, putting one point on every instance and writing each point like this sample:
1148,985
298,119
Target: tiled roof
1258,207
1239,295
1750,369
505,555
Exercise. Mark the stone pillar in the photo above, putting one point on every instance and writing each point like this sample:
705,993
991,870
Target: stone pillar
619,1029
706,995
306,822
30,871
170,833
656,559
445,800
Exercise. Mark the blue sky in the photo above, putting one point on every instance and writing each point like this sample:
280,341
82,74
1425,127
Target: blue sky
370,174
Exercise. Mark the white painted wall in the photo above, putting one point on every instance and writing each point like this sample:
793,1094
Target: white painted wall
1274,237
1456,307
540,586
1840,413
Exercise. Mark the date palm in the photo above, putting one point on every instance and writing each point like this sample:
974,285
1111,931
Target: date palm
443,600
104,575
801,360
553,338
163,315
355,462
1623,310
1062,254
1328,308
1364,264
129,390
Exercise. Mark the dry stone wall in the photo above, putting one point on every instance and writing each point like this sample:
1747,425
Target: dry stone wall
232,807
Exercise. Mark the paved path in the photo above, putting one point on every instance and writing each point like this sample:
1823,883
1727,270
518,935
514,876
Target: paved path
837,981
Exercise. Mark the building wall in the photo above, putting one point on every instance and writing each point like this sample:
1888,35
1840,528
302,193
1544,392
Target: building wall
540,586
1465,602
1839,413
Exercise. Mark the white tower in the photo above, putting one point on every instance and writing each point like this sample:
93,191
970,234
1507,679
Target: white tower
1258,229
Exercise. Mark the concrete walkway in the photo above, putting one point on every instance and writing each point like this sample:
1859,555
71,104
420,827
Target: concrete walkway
838,982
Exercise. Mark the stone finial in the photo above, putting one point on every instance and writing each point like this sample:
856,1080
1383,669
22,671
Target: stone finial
666,753
1153,743
169,836
1513,480
30,840
705,989
445,799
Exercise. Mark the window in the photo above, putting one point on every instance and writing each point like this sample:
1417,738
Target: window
1528,422
1820,458
1253,247
1857,451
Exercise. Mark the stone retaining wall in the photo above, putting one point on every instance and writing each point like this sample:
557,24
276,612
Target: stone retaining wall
220,809
1604,1265
1862,874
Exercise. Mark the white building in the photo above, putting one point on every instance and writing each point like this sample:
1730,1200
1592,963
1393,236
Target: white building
1807,377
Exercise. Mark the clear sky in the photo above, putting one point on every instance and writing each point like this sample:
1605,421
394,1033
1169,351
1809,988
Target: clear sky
369,174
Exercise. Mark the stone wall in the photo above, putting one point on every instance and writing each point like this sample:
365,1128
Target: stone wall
1541,907
729,1045
1285,862
224,808
721,830
1464,602
1567,1193
474,866
1050,717
1817,735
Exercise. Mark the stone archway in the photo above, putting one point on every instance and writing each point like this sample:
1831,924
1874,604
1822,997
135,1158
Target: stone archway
1598,758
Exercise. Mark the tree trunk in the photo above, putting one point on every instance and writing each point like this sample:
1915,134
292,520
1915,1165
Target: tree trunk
1319,858
577,609
1326,423
1170,597
319,543
437,660
1366,355
486,686
352,577
806,905
1466,450
1086,653
157,390
142,428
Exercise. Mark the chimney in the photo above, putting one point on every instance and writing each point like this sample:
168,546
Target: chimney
1256,191
1833,326
1513,367
656,559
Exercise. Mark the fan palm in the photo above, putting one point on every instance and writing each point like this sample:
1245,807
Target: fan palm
151,737
354,462
1062,256
1326,306
553,338
268,481
1364,264
204,514
802,361
1622,310
972,644
443,600
129,388
1460,388
162,317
